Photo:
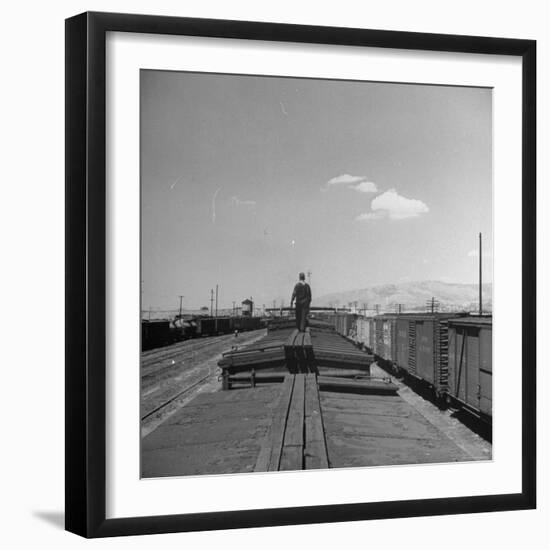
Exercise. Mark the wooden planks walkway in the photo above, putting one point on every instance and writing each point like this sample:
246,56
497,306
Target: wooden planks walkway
299,352
296,438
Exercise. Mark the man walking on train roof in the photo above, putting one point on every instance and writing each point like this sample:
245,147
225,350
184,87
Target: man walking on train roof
302,295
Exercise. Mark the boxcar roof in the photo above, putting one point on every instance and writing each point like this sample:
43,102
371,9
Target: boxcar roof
472,321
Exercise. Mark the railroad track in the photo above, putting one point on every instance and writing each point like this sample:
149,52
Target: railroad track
188,347
168,382
152,366
172,363
173,398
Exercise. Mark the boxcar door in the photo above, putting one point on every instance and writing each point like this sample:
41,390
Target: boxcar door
472,370
459,364
425,351
402,343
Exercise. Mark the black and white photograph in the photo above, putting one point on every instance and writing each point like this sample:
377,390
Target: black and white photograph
316,273
259,259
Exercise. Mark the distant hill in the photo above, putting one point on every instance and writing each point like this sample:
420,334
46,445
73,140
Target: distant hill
413,296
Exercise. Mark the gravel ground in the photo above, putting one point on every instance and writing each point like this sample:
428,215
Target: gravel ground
470,442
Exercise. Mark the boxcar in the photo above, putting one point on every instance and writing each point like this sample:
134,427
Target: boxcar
240,323
384,336
367,332
471,364
422,348
155,334
361,331
246,323
343,323
402,343
182,329
211,326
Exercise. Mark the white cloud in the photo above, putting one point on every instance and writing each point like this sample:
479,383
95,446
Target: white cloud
345,179
394,206
367,216
235,201
398,207
359,183
365,187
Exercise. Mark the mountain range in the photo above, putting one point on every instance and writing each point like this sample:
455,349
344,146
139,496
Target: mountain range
413,296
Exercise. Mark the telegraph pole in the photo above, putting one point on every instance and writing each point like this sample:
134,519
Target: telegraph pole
211,302
216,300
216,321
309,277
432,305
181,298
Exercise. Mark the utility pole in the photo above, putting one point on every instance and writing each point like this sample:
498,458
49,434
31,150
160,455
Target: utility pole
181,298
377,308
211,302
432,305
480,280
309,277
216,321
233,309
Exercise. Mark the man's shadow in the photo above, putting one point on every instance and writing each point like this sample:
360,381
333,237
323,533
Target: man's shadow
57,519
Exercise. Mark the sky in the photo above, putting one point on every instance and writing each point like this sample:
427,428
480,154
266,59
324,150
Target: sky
248,180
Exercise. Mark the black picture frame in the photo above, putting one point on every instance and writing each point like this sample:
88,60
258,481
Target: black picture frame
86,263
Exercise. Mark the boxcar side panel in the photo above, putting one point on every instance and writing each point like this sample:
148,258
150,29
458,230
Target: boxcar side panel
402,343
371,333
425,350
472,368
486,371
393,336
460,368
379,337
386,345
412,347
470,365
452,360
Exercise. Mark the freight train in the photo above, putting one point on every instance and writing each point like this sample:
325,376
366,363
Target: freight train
448,354
164,332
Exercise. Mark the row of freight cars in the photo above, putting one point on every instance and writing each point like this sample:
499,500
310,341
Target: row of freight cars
449,353
164,332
